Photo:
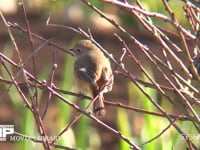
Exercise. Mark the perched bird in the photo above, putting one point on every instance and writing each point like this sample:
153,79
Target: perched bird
92,73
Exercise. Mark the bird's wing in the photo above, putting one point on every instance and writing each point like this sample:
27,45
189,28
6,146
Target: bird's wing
87,75
107,78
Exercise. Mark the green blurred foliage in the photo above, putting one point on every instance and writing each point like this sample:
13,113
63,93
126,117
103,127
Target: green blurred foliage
62,8
175,5
12,91
83,140
124,127
150,126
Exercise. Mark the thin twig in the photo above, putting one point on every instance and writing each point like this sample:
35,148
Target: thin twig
54,66
161,133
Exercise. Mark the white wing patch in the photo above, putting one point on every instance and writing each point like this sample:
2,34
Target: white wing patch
82,69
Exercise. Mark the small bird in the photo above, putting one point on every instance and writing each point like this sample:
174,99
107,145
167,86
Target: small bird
92,73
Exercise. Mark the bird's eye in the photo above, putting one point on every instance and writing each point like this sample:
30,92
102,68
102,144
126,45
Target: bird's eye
78,50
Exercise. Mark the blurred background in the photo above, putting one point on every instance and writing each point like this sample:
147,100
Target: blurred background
84,134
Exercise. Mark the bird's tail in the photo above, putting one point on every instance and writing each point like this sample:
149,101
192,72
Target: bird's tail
98,107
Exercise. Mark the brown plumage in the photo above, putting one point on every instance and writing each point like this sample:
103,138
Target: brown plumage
92,73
